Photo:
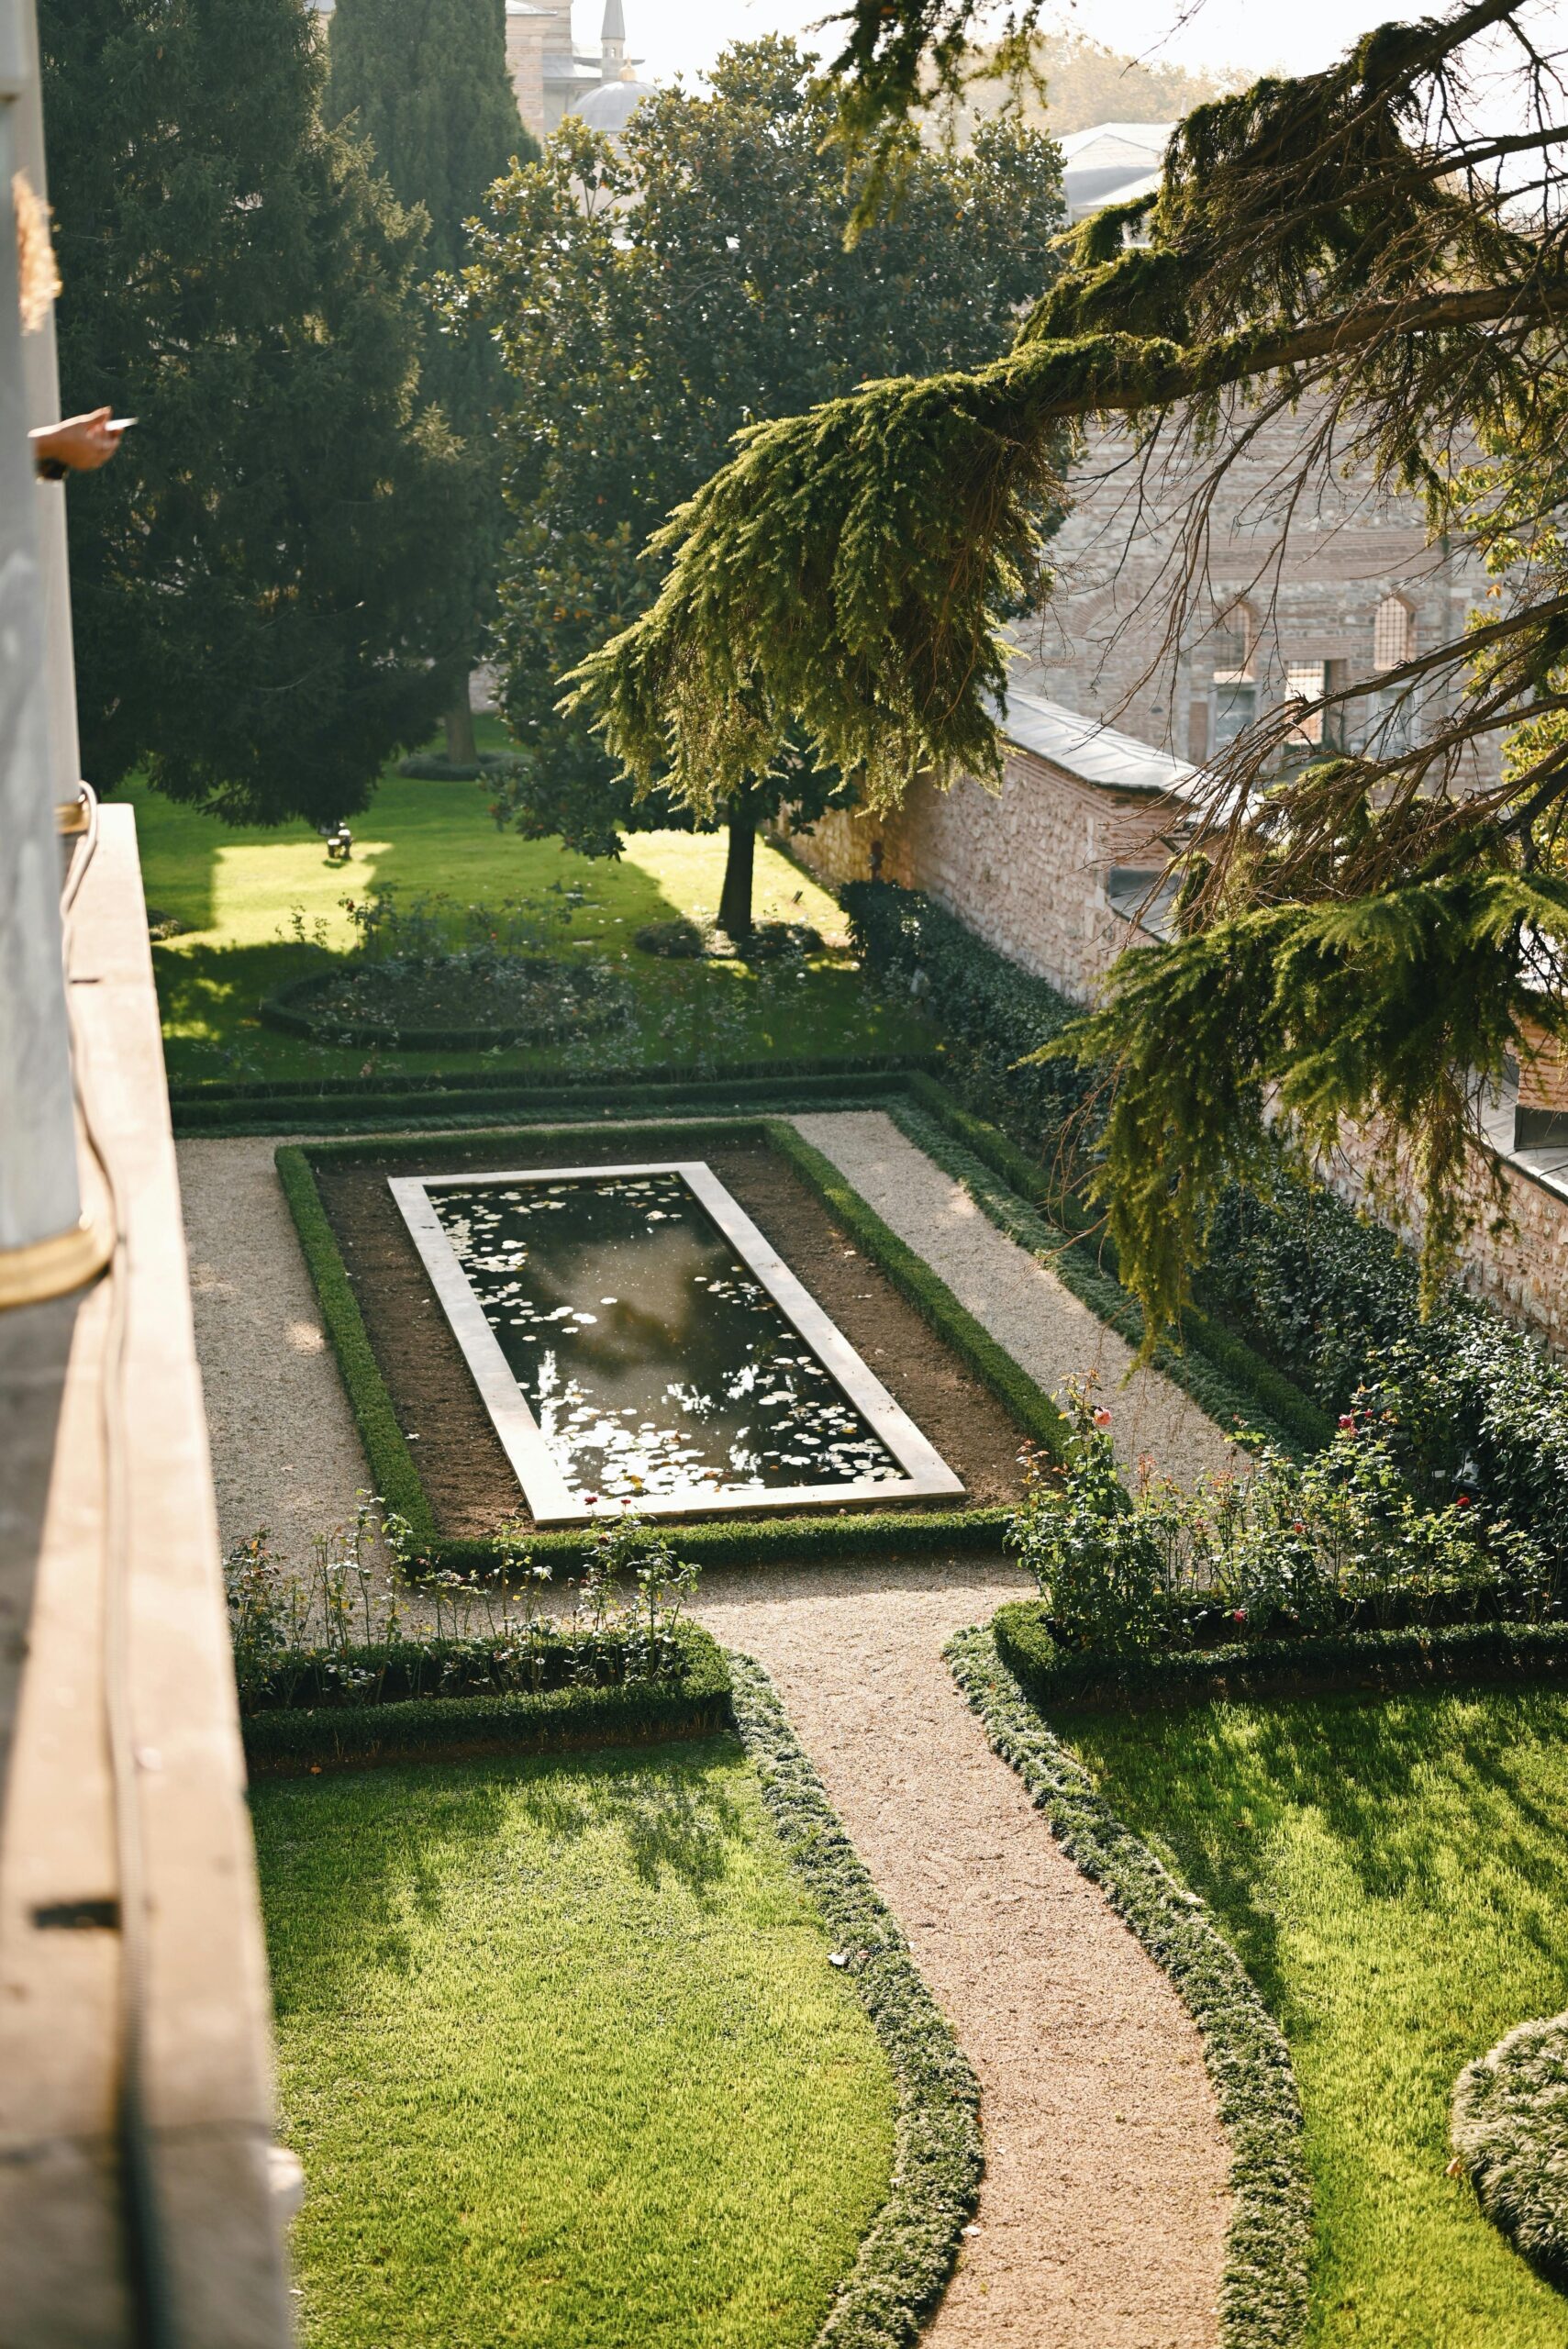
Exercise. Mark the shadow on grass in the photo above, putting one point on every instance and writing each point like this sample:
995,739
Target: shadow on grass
347,1859
1214,1785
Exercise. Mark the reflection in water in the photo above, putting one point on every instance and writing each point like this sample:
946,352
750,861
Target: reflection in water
650,1354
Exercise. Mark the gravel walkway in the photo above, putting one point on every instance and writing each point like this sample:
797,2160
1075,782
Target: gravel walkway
285,1452
1104,2210
1025,1307
1103,2214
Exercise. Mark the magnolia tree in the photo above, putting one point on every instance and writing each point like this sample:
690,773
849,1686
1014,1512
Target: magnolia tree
655,297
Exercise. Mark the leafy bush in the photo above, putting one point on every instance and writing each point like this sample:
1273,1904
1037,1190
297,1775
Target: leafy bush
450,974
1291,1548
336,1634
434,766
992,1011
1510,2133
1326,1294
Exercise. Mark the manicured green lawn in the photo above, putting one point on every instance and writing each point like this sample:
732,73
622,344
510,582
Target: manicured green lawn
264,906
1395,1873
563,2057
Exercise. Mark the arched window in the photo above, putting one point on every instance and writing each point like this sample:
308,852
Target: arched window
1393,635
1234,639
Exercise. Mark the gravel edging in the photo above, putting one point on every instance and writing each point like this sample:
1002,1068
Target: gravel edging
1263,2297
912,2245
1509,2134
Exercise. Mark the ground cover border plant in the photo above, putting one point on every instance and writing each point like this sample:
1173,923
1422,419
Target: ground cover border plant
1427,1656
739,1543
288,1738
366,1103
1223,1375
1507,2133
908,2251
1263,2297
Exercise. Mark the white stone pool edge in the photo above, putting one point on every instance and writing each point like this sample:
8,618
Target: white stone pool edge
552,1502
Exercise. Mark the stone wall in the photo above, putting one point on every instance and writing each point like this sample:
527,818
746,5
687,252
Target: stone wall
1516,1256
1098,644
1029,869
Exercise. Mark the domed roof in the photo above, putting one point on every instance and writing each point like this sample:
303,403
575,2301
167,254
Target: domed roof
608,109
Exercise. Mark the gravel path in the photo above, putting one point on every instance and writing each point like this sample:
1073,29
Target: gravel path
1024,1306
1103,2214
1104,2210
285,1452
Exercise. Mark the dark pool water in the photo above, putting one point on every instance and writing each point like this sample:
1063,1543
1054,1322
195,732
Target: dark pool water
652,1357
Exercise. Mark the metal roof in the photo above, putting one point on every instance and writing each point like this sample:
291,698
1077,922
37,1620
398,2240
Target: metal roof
1093,754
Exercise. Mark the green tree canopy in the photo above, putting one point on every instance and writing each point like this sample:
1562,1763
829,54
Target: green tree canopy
651,300
256,578
1368,938
424,83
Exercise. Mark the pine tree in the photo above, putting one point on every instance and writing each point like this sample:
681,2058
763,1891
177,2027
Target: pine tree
424,83
256,578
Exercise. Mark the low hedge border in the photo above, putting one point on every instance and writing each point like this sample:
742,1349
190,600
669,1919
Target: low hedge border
1418,1658
288,1739
1264,2296
1223,1374
455,1107
1033,1410
1509,2134
669,1075
909,2249
799,1540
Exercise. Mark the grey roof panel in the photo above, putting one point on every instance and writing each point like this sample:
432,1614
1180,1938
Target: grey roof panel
1093,754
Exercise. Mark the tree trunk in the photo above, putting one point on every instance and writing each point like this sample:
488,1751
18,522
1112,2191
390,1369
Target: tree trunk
461,747
735,898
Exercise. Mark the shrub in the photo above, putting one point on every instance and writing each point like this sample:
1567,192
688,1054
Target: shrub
1292,1547
336,1634
1326,1294
1511,2137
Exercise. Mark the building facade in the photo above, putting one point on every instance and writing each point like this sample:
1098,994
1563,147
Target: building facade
551,75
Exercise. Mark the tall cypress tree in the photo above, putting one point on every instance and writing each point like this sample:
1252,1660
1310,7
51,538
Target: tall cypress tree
424,82
258,605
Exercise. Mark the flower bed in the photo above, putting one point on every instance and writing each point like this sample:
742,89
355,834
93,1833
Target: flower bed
327,1673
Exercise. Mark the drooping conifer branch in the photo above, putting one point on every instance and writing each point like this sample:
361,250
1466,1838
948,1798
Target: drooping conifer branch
1366,934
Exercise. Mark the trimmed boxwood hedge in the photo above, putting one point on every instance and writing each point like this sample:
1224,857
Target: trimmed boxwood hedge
737,1542
909,2251
1509,2134
450,1110
1245,1668
1263,2297
296,1738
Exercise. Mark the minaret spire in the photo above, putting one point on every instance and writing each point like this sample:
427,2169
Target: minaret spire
612,43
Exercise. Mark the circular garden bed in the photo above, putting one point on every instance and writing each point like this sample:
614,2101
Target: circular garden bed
461,1002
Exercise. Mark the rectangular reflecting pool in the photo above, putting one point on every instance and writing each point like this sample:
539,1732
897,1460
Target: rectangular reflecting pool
635,1338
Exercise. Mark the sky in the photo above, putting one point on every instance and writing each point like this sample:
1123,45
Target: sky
683,36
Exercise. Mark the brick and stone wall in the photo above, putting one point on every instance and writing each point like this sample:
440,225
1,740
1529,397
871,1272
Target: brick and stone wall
1098,644
1028,871
1028,868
